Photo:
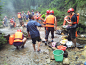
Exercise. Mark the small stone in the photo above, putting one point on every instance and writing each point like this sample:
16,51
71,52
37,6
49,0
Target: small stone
45,52
47,57
48,60
54,48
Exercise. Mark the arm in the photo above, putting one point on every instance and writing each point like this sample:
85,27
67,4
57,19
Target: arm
70,23
28,31
55,24
39,25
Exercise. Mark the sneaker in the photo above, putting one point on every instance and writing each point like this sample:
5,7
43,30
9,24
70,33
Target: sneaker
22,47
52,41
39,50
45,43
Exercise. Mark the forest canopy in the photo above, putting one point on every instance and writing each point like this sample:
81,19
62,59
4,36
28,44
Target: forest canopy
60,7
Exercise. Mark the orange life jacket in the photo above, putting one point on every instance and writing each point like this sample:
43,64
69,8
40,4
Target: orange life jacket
50,21
18,37
77,15
11,39
19,16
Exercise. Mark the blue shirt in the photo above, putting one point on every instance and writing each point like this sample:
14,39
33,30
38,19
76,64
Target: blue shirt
31,27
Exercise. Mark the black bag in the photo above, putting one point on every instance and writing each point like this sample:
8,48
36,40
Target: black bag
72,27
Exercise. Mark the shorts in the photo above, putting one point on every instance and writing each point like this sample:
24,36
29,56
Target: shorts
72,33
50,29
17,43
36,39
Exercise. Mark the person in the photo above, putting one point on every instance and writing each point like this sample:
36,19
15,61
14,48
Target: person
73,20
11,23
23,16
50,20
5,21
44,16
32,12
14,19
27,16
19,39
19,16
33,32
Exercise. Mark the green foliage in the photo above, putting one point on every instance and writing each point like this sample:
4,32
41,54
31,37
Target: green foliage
2,40
11,7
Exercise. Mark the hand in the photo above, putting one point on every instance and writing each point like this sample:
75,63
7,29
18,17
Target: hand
28,35
66,20
55,28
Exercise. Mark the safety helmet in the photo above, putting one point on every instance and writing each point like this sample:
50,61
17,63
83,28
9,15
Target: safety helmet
48,11
70,10
51,12
19,30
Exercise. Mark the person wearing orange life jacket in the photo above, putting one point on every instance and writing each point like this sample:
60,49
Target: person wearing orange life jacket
47,13
19,16
19,39
12,23
50,20
74,18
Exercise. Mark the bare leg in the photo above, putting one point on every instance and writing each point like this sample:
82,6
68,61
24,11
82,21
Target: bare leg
24,41
39,45
34,47
74,41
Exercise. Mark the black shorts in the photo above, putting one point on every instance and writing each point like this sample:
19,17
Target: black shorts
36,39
72,33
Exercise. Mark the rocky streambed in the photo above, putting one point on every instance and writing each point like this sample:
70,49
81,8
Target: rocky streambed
9,55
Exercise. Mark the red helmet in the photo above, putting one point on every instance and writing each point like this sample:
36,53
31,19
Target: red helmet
52,11
48,11
18,30
70,10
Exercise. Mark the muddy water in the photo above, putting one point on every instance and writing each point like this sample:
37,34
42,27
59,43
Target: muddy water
9,55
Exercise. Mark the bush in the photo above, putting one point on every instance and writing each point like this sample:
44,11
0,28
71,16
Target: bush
2,40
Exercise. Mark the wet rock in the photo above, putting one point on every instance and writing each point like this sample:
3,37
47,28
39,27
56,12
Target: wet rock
47,57
44,52
54,48
48,60
84,53
79,63
36,61
66,61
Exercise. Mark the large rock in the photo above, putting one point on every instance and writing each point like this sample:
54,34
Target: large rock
65,61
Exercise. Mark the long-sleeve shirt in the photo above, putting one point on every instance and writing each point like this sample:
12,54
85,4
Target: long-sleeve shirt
31,27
